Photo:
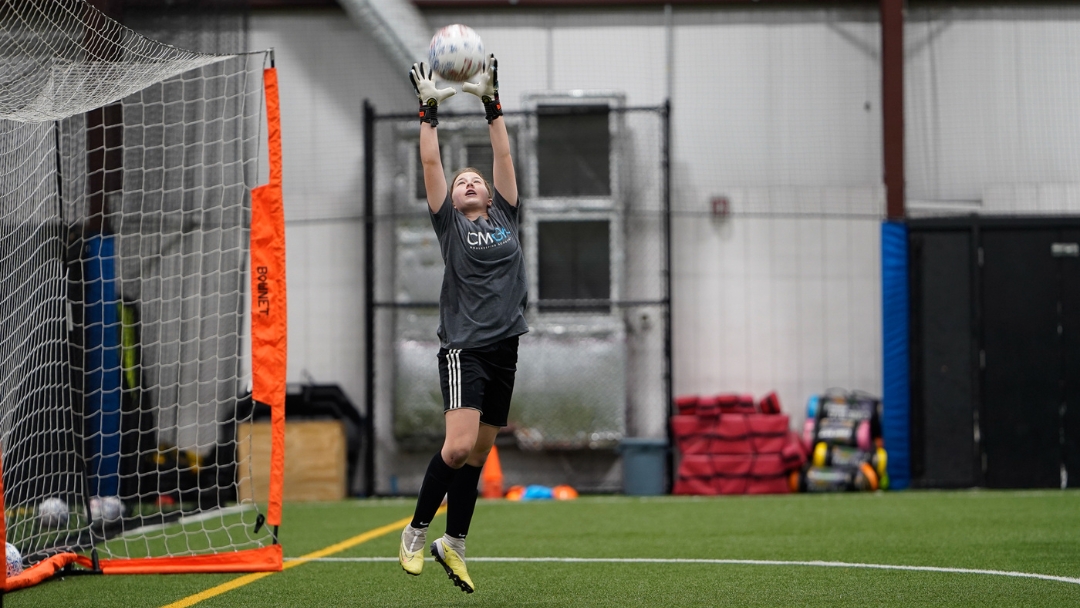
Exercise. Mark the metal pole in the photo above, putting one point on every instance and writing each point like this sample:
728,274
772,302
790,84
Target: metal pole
369,297
892,105
666,156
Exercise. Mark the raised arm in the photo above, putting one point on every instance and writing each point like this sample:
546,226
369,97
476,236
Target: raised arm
431,160
502,173
430,156
487,89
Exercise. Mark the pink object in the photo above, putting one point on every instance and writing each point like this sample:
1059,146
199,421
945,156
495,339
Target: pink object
808,434
862,435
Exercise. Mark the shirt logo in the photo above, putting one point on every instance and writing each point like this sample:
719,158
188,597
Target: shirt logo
488,239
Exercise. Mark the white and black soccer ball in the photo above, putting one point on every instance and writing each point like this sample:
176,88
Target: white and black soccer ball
14,560
52,513
106,509
456,52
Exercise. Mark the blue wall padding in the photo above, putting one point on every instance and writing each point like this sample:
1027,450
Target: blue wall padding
896,400
101,387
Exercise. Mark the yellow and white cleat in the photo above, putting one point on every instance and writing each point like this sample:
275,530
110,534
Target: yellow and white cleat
453,562
411,551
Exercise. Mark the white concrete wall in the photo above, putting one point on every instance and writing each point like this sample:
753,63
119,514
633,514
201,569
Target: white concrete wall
991,106
779,113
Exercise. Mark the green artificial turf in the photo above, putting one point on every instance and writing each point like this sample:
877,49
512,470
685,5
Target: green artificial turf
1036,532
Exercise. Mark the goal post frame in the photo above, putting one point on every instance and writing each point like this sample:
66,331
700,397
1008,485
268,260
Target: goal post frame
269,312
268,327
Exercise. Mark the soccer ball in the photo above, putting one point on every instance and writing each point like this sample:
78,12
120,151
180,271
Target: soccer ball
52,513
14,560
107,509
456,52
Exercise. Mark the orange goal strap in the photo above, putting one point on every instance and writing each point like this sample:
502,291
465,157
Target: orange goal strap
265,559
269,315
40,571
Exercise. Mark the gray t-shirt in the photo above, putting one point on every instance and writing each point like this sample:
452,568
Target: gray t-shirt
484,290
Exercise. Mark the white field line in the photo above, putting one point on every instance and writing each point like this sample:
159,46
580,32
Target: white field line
737,562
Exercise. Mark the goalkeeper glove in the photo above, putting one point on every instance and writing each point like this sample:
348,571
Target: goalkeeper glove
429,96
486,88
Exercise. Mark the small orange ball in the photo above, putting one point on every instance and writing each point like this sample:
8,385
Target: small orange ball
564,492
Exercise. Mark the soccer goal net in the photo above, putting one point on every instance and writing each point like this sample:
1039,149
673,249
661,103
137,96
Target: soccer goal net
127,260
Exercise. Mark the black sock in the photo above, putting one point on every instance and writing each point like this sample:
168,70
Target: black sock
461,501
437,482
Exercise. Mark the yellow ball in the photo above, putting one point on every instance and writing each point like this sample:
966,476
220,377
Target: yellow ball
821,453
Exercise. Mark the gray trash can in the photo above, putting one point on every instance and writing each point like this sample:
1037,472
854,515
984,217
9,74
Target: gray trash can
644,462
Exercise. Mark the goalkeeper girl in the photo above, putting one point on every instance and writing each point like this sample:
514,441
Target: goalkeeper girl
481,314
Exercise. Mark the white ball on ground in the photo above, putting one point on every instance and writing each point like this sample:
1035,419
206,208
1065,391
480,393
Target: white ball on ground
14,560
52,513
106,509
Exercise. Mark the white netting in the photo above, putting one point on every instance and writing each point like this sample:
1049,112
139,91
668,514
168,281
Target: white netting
125,175
62,57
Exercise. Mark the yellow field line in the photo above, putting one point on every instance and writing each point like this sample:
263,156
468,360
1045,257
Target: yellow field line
191,600
222,588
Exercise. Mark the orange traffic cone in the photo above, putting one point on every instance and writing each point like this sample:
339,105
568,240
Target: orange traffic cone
491,476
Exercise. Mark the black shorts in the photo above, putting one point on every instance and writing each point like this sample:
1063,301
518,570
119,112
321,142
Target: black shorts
480,379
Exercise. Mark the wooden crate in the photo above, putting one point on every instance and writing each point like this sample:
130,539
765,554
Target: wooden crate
315,460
